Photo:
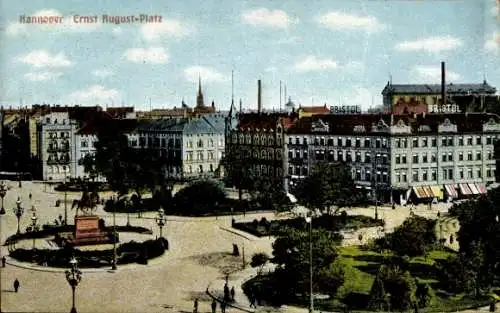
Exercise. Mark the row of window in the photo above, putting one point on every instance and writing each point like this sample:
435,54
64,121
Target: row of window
53,135
200,143
264,154
341,142
200,155
445,157
256,139
200,169
425,175
449,141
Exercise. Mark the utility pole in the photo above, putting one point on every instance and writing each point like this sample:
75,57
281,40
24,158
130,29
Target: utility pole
65,201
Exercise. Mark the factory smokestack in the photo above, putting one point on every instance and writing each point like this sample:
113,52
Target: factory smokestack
259,96
443,83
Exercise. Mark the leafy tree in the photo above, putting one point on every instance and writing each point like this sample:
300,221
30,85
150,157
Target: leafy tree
378,297
399,284
200,197
331,277
424,295
259,260
328,185
291,254
90,166
413,237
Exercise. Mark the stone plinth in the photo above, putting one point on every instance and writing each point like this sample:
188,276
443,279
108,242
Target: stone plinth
87,232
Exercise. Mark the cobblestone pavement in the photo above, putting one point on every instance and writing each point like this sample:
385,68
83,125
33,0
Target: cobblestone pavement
169,284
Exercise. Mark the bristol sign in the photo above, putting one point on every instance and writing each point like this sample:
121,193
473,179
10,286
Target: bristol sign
444,108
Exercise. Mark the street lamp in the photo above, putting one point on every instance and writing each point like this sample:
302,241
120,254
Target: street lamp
3,192
160,220
113,265
18,211
311,301
73,276
127,205
34,226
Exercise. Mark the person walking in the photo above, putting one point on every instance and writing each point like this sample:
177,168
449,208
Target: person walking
252,300
4,260
226,293
214,306
16,285
195,308
232,293
223,306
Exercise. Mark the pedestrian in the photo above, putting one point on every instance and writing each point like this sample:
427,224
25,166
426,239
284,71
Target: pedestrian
3,261
232,293
223,306
195,309
252,301
16,285
214,306
226,292
30,195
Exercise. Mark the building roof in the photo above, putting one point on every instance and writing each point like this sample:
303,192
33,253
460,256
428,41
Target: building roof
436,88
189,125
419,123
264,121
108,125
314,109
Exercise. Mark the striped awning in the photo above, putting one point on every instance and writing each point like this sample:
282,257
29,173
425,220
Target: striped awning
428,191
474,189
422,192
451,191
465,190
437,191
482,188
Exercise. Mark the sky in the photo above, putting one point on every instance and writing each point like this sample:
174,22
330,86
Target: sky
323,51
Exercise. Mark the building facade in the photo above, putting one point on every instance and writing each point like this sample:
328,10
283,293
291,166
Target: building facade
400,157
57,149
193,147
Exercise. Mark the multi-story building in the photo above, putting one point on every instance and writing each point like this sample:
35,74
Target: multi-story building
193,147
57,149
399,157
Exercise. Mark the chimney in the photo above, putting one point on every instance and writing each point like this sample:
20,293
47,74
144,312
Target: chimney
443,83
259,96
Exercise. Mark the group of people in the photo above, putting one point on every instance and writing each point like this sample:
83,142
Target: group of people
214,306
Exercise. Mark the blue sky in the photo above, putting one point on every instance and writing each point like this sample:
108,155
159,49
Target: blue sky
335,52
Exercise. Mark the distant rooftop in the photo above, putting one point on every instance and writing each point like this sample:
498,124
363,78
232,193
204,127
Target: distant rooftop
436,88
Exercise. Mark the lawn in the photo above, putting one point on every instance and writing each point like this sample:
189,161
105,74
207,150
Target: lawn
362,265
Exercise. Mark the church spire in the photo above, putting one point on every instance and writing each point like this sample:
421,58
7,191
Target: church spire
199,99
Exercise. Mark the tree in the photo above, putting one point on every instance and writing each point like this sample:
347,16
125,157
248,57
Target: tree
399,284
259,260
414,236
291,254
331,277
424,295
200,197
90,166
328,185
378,297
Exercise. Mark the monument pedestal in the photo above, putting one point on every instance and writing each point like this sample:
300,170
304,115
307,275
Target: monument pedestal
87,232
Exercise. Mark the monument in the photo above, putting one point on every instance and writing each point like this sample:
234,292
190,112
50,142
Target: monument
88,230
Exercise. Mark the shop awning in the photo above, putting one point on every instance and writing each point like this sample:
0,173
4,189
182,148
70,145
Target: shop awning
451,191
465,190
482,188
428,191
421,193
474,189
437,191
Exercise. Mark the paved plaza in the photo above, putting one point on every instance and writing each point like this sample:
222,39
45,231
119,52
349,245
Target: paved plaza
199,256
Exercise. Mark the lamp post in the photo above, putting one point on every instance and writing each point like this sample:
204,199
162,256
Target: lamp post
73,276
127,204
113,264
160,220
34,219
311,300
3,192
18,211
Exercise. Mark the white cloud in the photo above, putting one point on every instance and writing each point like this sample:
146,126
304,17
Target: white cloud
432,74
172,28
354,66
312,63
42,58
288,41
41,76
207,74
266,17
430,44
95,94
68,24
154,55
358,96
102,73
493,43
341,20
117,30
